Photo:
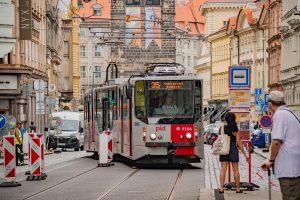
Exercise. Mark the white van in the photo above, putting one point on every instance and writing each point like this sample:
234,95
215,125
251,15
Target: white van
71,136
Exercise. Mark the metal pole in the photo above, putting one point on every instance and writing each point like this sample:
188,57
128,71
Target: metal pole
93,80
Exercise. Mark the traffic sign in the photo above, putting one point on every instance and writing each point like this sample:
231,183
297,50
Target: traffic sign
266,121
39,84
239,77
40,102
258,92
2,121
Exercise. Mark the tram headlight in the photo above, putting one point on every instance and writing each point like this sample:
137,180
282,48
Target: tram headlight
152,136
188,136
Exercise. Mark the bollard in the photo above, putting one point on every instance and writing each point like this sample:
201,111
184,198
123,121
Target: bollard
105,149
9,162
36,160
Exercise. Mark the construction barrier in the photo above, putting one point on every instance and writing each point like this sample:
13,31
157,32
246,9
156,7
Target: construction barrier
30,136
9,162
42,152
36,160
105,149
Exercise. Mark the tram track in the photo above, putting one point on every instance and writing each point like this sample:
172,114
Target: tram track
108,192
172,192
59,184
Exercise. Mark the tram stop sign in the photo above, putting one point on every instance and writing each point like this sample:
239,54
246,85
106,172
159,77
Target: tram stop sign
266,121
2,121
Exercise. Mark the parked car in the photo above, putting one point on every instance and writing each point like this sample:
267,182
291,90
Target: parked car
258,138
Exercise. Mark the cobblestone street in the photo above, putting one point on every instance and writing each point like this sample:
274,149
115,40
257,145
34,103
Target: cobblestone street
259,177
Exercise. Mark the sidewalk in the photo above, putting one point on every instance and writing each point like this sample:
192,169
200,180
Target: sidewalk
260,152
209,194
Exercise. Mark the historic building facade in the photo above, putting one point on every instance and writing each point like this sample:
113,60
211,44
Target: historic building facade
189,29
290,54
25,63
216,14
249,45
274,44
147,36
94,57
54,48
220,62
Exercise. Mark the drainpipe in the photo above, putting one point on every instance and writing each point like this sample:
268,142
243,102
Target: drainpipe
263,66
238,37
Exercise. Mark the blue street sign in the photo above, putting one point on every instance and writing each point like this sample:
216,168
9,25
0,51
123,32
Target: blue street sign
2,121
258,92
239,77
266,121
266,99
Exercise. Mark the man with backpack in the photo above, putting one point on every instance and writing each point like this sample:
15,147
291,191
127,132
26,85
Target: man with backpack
284,152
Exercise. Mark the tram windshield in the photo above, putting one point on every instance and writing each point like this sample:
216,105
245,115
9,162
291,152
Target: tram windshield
170,101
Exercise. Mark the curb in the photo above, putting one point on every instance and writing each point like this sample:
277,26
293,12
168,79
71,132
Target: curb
48,153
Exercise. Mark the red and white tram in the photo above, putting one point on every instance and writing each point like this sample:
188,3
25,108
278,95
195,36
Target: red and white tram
155,118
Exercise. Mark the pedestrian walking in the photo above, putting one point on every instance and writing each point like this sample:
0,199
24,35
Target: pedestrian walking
22,129
18,144
32,127
284,150
231,129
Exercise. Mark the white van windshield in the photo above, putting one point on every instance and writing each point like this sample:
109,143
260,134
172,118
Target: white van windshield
69,125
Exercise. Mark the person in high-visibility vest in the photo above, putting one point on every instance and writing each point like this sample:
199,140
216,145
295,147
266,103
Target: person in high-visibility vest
18,143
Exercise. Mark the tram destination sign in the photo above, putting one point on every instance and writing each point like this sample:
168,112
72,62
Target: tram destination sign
170,84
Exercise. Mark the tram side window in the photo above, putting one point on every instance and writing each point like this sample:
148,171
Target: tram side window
198,100
99,112
140,103
112,107
106,109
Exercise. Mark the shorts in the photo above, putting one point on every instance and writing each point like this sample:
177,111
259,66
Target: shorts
290,188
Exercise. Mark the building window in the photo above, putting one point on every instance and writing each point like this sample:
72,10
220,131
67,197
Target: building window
224,23
66,48
82,71
195,44
152,2
82,93
97,9
195,60
97,50
98,71
82,51
189,61
133,2
82,32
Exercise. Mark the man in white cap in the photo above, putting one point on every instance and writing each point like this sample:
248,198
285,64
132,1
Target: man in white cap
285,147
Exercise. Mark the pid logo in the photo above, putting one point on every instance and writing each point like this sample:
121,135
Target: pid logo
160,128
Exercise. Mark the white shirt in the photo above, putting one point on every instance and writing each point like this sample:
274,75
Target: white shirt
287,129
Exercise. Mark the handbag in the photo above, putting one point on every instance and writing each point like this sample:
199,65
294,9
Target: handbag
222,144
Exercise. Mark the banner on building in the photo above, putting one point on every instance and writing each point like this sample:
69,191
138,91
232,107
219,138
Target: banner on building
133,27
239,99
153,28
25,19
